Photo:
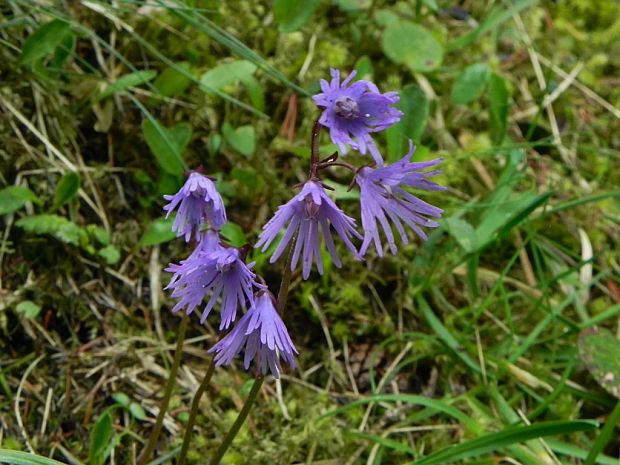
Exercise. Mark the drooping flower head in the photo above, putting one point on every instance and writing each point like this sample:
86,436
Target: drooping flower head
199,203
355,111
209,241
263,335
303,215
218,274
383,199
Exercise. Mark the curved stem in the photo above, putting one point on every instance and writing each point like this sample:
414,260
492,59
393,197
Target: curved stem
258,382
230,436
314,149
145,455
343,164
194,412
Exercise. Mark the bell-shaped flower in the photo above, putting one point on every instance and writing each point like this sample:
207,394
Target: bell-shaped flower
353,112
302,216
219,275
262,335
383,199
199,203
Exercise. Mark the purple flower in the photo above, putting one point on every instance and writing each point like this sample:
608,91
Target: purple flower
382,197
199,203
220,274
263,334
356,111
303,214
209,241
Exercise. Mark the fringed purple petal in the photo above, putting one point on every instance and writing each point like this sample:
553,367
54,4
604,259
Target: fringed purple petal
263,337
303,214
382,196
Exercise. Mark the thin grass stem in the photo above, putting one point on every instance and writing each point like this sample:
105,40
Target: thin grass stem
163,406
243,414
194,411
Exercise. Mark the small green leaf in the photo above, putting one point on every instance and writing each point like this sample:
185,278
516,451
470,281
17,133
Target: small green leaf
137,411
214,143
110,254
410,44
100,437
172,82
13,198
248,177
470,84
126,81
227,73
255,92
432,4
293,14
364,68
58,226
415,106
599,349
43,41
28,309
99,234
158,232
63,51
67,188
121,399
167,144
234,234
498,108
242,139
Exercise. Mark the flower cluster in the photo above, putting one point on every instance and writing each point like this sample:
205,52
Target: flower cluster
216,272
352,111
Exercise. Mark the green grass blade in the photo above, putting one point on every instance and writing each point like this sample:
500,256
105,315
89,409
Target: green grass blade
512,435
171,147
13,457
495,19
448,339
581,201
560,447
229,41
385,442
604,437
435,404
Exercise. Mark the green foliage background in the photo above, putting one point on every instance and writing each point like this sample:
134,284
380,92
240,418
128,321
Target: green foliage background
460,348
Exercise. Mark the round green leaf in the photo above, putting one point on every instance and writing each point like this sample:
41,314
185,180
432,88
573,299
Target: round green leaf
158,232
28,309
410,44
242,139
110,254
599,350
234,234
